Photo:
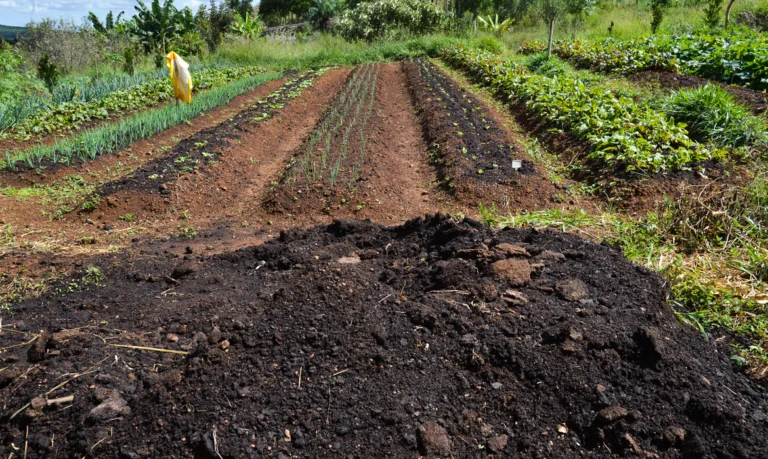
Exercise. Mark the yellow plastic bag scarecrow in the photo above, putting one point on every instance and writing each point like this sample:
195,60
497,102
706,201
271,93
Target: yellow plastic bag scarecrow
182,80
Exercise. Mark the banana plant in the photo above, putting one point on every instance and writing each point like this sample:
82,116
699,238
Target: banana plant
493,25
248,27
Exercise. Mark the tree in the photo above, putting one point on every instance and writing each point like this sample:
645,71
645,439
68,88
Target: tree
214,22
322,12
110,23
157,25
495,26
728,13
241,7
550,11
271,10
712,13
657,13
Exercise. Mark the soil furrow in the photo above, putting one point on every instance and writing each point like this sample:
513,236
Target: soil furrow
222,189
390,181
473,153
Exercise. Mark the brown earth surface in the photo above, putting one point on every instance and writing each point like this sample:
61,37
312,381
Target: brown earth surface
141,151
395,180
472,152
207,326
437,338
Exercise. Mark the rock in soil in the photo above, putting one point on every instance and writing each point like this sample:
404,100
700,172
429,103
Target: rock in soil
433,439
406,352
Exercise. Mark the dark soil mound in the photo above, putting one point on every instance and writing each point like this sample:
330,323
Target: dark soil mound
355,340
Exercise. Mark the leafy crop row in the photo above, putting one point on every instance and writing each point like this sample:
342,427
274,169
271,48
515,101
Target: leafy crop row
740,57
73,114
621,133
111,137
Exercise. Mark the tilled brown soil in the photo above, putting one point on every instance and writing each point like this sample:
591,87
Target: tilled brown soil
754,100
435,338
472,153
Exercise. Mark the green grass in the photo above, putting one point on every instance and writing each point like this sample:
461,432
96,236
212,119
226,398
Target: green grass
111,137
713,116
330,50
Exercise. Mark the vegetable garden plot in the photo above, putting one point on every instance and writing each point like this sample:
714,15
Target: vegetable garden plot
205,147
326,169
435,338
473,154
623,137
736,57
75,115
111,137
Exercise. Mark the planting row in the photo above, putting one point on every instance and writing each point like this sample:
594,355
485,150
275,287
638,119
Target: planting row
739,57
75,113
332,157
474,156
206,147
621,134
108,138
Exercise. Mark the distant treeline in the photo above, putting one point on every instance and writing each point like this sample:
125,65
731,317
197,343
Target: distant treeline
9,33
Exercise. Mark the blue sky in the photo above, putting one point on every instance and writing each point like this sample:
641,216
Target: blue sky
20,12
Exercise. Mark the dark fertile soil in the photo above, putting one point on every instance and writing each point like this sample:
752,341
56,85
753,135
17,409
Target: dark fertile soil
438,337
472,152
754,100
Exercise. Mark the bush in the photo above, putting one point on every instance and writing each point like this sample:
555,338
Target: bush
541,64
755,17
490,44
712,115
375,20
71,47
47,71
15,84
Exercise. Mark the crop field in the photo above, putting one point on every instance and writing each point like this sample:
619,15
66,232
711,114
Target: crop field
458,251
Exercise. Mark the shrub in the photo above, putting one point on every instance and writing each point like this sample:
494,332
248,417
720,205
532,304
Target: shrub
70,47
541,64
490,44
374,20
15,83
755,16
47,71
129,61
712,115
712,13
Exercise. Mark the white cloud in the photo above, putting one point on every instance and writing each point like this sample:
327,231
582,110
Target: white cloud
19,12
